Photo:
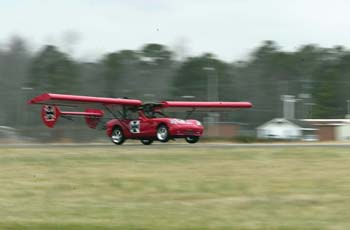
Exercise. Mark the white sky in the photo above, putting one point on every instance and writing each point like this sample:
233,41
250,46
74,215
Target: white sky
228,28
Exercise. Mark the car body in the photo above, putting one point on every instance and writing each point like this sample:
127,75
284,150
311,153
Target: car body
147,128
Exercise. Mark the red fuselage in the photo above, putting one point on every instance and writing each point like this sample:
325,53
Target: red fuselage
146,128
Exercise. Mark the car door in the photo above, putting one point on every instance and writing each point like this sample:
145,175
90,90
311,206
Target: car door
147,127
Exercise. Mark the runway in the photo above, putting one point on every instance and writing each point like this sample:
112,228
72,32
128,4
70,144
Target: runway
135,144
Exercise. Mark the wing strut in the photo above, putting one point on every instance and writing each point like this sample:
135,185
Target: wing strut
110,111
189,113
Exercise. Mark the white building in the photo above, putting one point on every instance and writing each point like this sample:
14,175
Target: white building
286,129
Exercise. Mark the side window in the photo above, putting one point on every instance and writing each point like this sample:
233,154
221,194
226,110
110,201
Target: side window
132,115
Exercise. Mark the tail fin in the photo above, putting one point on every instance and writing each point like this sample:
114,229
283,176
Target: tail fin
50,114
93,117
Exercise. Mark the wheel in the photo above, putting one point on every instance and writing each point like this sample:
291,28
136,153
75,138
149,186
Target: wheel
163,133
117,136
192,139
146,141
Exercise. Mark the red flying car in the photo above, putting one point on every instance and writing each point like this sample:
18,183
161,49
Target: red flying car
131,119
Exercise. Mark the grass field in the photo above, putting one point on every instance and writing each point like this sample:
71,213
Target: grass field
165,187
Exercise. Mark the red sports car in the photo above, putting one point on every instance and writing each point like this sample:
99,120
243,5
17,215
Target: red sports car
153,126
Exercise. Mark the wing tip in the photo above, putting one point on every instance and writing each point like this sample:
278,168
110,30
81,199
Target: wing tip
39,98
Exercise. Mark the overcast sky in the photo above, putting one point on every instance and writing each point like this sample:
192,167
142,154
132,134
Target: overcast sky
228,28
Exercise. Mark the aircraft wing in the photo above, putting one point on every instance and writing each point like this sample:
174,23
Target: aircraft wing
202,106
77,100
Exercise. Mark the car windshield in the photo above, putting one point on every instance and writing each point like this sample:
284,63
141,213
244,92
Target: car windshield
155,114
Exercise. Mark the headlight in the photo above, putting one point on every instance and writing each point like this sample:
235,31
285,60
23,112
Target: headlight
177,121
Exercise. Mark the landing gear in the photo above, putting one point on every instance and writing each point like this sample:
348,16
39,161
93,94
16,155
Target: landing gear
146,141
117,136
192,139
163,133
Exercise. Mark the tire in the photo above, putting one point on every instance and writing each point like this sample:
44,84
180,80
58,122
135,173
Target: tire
192,139
146,141
162,133
117,136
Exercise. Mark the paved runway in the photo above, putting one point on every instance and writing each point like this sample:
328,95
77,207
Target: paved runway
176,145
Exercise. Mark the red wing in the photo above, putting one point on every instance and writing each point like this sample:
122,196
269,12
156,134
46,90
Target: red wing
207,106
76,100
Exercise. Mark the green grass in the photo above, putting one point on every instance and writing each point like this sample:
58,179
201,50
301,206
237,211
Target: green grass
165,187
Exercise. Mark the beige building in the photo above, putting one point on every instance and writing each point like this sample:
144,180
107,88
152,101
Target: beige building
332,129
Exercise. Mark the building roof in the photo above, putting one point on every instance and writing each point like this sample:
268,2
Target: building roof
301,124
328,122
7,128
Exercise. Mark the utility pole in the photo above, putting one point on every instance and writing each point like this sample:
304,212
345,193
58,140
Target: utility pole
22,114
288,106
212,94
212,86
303,98
309,109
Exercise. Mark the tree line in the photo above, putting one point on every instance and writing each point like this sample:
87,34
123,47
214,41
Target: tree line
318,77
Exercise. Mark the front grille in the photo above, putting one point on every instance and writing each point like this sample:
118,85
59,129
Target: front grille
189,132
